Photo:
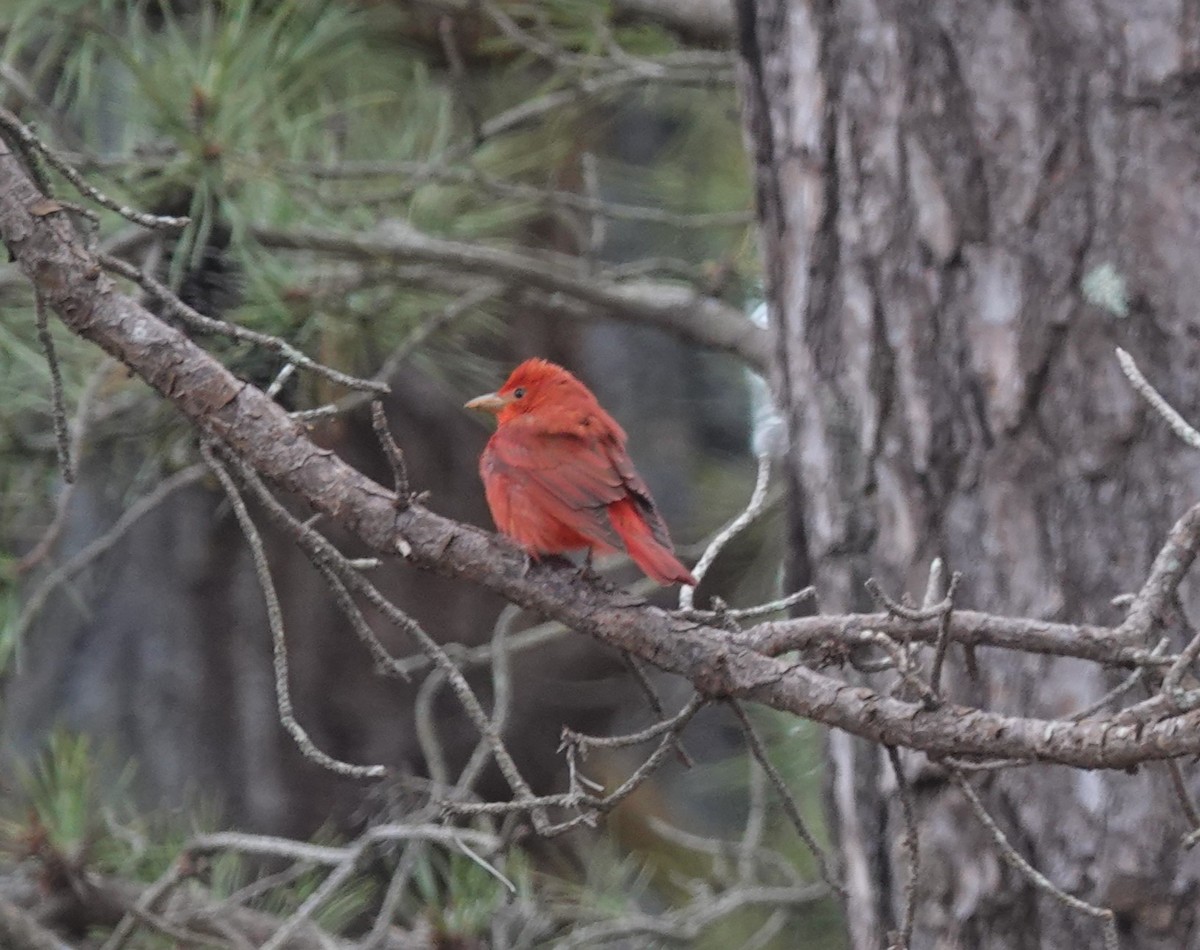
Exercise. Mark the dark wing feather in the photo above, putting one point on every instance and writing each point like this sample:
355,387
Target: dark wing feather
637,489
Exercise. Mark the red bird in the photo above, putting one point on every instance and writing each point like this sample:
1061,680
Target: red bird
558,478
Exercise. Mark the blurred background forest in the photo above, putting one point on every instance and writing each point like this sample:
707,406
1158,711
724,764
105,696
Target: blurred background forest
550,172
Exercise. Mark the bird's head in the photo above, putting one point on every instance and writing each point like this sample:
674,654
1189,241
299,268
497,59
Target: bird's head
534,386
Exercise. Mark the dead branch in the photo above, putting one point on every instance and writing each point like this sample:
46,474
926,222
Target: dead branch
754,507
283,693
677,309
717,662
967,627
829,873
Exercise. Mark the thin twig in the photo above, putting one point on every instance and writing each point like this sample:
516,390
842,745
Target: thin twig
12,125
578,799
78,430
900,659
914,614
586,742
310,541
1185,800
766,934
911,850
1172,685
546,279
684,925
1161,586
392,452
1180,426
596,223
773,606
943,638
752,510
395,893
1125,686
530,109
420,172
756,820
270,846
1103,645
385,663
482,655
226,939
264,885
486,865
425,328
1032,874
665,746
283,696
148,903
311,904
501,700
651,694
280,380
192,318
425,728
790,806
61,434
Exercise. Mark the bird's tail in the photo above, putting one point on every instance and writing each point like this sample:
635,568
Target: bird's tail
648,553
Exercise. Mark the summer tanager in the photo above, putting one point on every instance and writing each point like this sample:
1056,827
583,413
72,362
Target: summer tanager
558,478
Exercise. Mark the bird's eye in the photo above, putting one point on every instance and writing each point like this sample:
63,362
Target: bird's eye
519,392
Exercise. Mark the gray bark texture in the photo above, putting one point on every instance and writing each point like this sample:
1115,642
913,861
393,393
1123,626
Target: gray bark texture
944,189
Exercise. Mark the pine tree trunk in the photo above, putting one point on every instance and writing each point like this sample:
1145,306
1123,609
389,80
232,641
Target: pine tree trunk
965,206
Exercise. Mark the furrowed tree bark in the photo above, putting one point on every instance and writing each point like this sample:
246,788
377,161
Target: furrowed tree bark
941,186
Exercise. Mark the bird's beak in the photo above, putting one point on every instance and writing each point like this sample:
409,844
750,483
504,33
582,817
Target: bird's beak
492,402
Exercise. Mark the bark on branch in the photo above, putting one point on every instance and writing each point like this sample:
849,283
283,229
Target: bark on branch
720,663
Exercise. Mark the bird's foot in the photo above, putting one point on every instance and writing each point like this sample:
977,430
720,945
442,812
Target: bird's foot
585,571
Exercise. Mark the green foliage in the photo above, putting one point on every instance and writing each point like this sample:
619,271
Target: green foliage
218,113
615,884
460,896
72,814
70,811
230,112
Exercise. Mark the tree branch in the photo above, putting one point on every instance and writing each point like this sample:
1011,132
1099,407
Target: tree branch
718,662
674,308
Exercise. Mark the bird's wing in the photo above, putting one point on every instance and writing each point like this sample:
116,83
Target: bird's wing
637,489
570,479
